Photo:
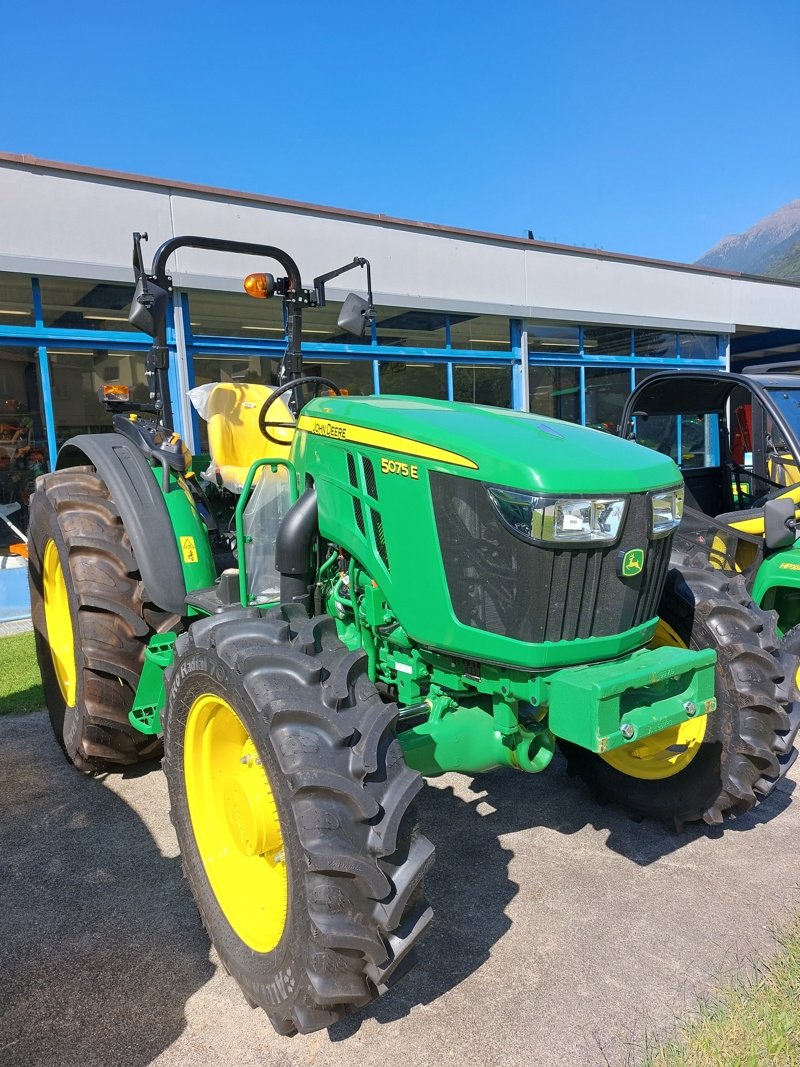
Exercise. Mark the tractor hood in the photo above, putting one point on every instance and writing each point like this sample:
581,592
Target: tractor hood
505,447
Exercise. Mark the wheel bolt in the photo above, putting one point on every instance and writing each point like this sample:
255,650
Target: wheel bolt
690,708
627,731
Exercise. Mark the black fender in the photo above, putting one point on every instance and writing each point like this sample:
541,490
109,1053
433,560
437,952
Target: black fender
140,502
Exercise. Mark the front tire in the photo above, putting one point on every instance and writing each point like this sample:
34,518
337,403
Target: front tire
293,808
703,769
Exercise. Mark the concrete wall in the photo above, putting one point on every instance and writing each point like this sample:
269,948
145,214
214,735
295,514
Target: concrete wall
59,220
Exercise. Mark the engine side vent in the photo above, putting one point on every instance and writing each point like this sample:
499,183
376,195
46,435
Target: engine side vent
351,470
380,539
369,478
359,513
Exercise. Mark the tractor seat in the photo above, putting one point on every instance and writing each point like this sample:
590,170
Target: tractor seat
234,439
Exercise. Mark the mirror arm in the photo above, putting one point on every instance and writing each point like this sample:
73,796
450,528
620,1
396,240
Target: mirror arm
358,261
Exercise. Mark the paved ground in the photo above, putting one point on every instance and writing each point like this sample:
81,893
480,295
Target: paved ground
564,930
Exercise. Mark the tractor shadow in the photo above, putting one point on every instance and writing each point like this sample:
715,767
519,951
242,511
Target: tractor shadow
470,886
100,944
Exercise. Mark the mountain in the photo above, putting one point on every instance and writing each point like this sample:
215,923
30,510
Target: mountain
771,247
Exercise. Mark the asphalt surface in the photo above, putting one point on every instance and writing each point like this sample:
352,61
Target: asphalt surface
565,932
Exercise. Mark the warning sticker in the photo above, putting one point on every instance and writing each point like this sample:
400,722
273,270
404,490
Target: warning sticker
189,550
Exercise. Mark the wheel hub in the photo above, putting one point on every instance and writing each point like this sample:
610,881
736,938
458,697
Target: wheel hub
250,811
235,822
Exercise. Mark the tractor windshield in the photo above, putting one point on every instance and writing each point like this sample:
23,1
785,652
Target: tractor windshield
787,401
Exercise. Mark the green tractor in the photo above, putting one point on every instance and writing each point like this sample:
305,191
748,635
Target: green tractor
359,592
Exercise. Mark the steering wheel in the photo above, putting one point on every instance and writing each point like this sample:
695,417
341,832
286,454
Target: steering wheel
265,426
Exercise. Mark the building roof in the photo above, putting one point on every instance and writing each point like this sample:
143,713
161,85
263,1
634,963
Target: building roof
34,162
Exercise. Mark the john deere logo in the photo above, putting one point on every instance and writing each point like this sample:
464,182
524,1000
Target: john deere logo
633,563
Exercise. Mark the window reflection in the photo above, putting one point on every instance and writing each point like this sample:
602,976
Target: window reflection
412,328
555,391
414,379
78,374
77,304
482,385
476,332
606,393
16,300
23,450
553,337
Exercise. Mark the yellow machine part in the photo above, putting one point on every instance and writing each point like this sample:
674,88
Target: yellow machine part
754,524
58,622
668,752
235,822
234,439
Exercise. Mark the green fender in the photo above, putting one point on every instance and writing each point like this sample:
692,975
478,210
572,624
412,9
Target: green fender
777,586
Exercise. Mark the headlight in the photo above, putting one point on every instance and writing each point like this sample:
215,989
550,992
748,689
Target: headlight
577,520
667,511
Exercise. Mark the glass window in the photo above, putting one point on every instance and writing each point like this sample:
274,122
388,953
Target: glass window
414,379
654,343
354,377
553,337
606,393
321,326
607,340
659,432
483,385
412,328
23,451
16,300
257,370
555,391
488,332
217,314
77,375
699,346
263,369
77,304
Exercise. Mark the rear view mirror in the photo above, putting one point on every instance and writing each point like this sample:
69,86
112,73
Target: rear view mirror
148,307
779,523
355,314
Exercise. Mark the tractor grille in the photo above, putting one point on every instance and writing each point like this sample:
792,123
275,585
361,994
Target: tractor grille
503,585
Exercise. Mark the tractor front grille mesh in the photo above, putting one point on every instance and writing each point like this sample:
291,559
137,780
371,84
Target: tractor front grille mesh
502,584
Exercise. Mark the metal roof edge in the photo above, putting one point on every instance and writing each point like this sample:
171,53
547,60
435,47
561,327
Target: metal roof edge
26,160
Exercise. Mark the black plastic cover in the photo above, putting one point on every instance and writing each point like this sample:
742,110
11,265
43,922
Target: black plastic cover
142,508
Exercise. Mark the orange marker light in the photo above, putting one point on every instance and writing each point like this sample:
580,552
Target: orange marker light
260,286
116,392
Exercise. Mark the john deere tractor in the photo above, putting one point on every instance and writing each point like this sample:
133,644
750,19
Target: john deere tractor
352,592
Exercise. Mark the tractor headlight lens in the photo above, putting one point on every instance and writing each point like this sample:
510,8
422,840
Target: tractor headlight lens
667,511
563,520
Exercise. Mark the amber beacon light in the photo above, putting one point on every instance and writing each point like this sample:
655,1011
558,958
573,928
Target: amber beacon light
260,286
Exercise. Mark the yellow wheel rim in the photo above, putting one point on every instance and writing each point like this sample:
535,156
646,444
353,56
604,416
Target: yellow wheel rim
58,622
235,822
668,752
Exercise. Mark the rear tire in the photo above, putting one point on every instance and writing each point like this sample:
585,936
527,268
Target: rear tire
743,752
342,927
109,613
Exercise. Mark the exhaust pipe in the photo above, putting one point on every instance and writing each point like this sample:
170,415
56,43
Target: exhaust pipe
296,533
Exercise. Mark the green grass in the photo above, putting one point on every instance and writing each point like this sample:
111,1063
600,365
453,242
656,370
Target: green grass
20,684
753,1022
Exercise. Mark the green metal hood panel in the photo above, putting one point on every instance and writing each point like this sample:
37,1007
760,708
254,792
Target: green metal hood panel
507,447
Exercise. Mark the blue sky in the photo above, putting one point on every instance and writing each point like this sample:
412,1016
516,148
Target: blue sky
649,128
